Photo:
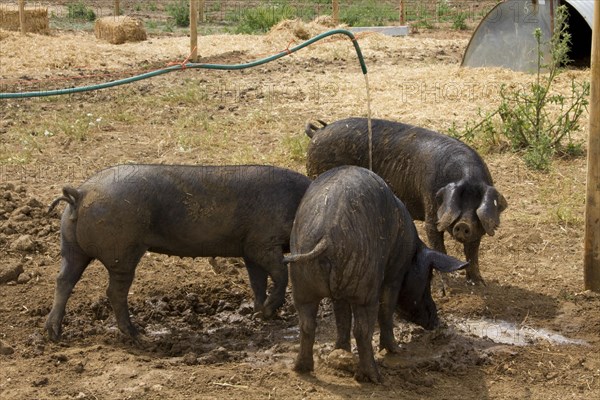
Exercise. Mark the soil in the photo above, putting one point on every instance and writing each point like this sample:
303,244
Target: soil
201,338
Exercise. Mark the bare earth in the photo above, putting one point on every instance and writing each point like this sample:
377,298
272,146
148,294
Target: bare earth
201,339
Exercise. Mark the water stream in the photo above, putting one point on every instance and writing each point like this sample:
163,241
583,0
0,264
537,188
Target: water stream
369,127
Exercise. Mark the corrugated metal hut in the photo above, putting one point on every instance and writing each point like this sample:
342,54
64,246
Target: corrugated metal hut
504,37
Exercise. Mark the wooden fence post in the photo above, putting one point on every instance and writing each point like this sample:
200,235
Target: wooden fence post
402,20
336,11
117,8
22,16
193,30
201,11
591,251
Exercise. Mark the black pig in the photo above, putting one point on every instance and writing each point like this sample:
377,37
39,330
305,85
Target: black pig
441,180
355,242
189,211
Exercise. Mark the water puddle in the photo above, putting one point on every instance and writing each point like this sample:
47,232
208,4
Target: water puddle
504,332
292,333
157,331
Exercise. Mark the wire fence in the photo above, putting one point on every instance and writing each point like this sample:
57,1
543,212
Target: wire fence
160,17
168,15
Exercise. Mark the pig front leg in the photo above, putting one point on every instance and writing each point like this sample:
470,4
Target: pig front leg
258,282
472,256
436,242
260,263
434,237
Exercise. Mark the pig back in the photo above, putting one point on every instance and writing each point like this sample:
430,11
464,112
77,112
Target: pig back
357,214
415,162
193,210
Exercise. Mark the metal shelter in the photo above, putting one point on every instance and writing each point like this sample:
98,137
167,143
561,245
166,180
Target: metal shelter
504,37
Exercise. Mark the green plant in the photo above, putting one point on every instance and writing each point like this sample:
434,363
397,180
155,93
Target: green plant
169,27
151,24
537,122
459,21
80,11
260,19
296,146
368,13
180,12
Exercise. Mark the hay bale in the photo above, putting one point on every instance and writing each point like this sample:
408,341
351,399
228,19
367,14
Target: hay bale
121,29
36,19
298,29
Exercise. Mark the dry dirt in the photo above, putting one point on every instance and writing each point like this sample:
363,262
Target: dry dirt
201,338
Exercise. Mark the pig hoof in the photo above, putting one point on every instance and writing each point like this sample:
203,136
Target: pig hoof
54,333
392,348
142,342
368,376
304,366
130,331
475,280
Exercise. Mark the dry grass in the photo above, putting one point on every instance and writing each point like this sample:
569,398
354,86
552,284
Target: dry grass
36,19
121,29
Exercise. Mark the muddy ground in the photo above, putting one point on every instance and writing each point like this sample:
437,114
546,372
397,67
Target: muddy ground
201,338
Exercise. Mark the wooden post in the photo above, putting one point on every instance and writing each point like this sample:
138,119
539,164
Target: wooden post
402,20
117,8
193,30
22,16
201,11
336,11
591,250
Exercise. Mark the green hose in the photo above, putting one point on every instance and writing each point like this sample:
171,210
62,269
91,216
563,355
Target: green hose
193,65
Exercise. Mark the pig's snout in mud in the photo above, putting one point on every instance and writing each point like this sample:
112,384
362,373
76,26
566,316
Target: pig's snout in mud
462,231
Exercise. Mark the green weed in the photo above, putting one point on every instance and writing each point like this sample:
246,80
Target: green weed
459,21
80,10
179,12
296,146
534,121
260,19
368,13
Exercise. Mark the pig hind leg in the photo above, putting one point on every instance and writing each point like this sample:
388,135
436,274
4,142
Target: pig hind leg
74,262
389,299
307,316
364,321
121,274
343,323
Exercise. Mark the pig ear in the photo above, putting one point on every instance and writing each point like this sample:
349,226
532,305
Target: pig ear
448,199
492,204
440,261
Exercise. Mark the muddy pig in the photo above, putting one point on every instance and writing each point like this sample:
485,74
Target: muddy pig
188,211
441,180
354,242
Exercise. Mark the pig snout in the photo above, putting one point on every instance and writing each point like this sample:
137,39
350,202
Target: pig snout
462,231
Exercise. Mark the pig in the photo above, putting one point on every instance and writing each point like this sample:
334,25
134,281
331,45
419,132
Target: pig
354,241
124,211
441,180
